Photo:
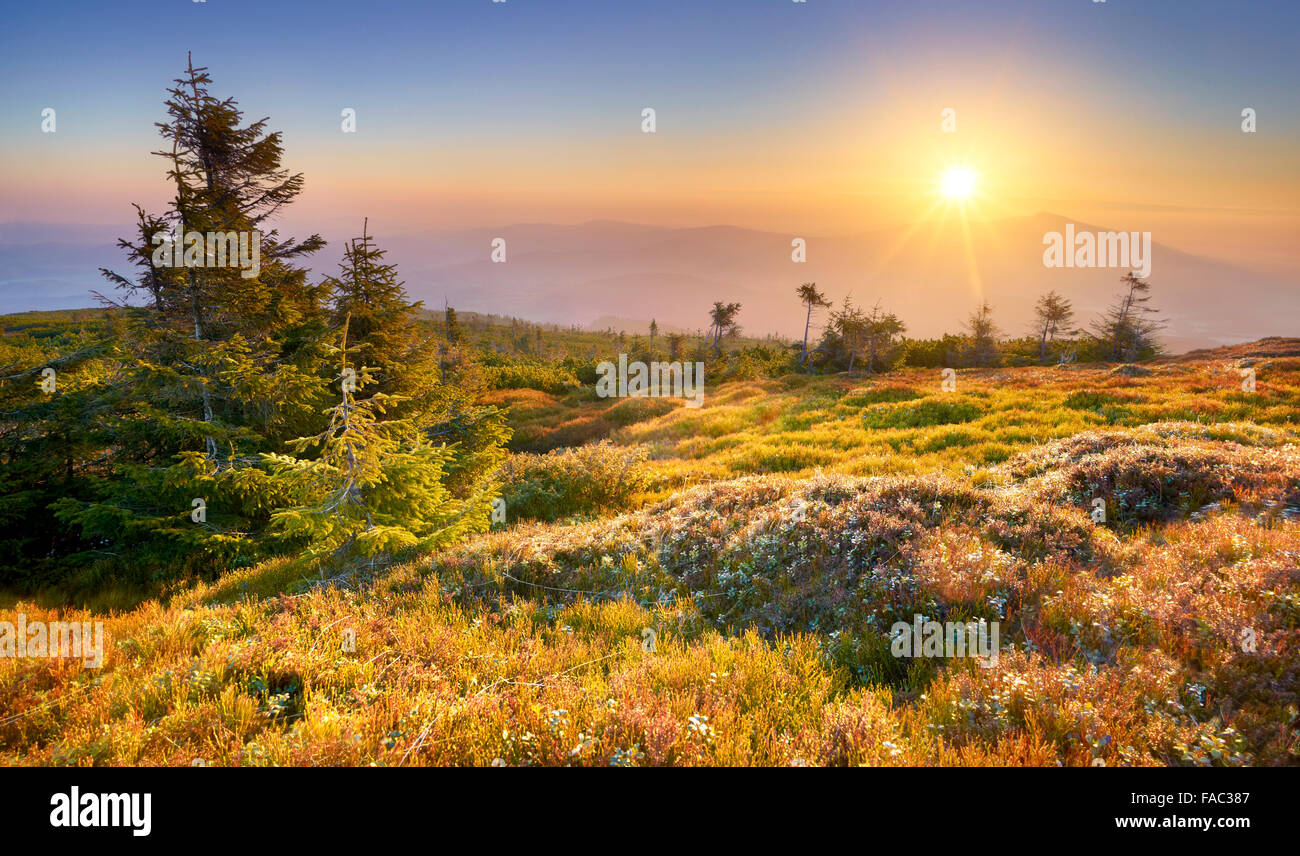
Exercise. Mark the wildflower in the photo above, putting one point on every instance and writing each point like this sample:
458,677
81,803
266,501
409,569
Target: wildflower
699,724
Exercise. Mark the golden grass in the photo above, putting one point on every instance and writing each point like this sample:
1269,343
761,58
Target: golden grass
770,598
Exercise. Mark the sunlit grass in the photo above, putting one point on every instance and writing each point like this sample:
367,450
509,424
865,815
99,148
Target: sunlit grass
770,597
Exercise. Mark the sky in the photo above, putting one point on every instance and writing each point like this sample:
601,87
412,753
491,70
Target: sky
817,117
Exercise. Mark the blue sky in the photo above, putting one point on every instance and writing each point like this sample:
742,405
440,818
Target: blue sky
545,87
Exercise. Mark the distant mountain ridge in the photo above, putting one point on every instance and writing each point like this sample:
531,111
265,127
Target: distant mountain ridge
931,274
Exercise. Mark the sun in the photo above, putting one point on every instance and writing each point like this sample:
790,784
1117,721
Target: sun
957,183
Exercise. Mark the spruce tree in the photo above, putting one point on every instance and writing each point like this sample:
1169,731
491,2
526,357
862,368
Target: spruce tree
452,326
1052,315
368,293
983,333
377,485
221,362
432,385
813,299
1128,330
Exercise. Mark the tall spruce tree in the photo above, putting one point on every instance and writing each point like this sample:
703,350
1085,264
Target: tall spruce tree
432,387
223,359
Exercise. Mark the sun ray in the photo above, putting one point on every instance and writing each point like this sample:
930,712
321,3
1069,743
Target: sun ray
903,240
972,265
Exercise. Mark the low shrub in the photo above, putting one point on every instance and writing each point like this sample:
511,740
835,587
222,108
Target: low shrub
577,481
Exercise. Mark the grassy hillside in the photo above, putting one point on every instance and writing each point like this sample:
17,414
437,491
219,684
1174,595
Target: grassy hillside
761,547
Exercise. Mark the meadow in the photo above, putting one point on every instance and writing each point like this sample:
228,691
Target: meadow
676,586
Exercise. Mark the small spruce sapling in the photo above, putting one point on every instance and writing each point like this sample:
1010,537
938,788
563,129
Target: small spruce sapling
376,486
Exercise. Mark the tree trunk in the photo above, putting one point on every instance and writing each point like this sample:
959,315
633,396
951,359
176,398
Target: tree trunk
210,445
806,324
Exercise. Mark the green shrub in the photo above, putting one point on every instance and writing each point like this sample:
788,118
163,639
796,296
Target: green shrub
521,374
577,481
